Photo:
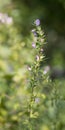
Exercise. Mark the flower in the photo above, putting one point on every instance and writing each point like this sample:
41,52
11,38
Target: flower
41,50
37,22
46,69
29,68
9,20
33,45
37,58
37,100
34,32
4,18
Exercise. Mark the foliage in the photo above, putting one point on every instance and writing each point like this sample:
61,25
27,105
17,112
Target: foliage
29,100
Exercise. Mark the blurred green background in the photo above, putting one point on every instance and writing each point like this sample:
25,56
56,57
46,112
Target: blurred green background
52,16
16,23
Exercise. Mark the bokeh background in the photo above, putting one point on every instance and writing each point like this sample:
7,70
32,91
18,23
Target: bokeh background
52,17
16,23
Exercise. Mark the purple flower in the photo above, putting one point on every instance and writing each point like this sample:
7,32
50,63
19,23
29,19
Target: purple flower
37,100
34,32
37,22
46,69
5,19
33,45
9,20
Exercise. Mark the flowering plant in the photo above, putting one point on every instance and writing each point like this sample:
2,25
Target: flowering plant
43,93
28,98
37,77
